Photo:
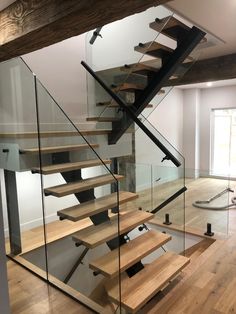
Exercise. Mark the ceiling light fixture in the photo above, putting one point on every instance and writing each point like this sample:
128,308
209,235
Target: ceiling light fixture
209,84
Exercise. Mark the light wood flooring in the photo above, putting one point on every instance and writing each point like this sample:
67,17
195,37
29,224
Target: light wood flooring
31,295
208,283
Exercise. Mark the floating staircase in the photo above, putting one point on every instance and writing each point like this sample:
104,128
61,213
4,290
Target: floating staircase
140,285
138,289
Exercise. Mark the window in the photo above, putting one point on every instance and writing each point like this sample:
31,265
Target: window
223,153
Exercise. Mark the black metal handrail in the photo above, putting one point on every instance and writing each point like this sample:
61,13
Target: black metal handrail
131,114
169,200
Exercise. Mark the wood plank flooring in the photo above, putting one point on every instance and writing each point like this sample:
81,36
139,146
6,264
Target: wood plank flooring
42,299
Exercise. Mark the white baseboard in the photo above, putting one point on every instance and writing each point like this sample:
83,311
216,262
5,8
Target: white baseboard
33,224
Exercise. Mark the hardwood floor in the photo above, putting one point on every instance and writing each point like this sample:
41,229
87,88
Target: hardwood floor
31,295
207,285
193,218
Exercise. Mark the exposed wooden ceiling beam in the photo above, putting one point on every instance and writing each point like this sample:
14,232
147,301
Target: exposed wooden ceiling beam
209,70
28,25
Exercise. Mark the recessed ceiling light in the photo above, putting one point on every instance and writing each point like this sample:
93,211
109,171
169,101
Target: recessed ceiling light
209,84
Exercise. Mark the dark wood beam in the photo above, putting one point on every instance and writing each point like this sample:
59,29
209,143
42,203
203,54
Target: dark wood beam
28,25
209,70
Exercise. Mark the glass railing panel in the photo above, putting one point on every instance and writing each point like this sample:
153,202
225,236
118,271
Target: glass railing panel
21,190
148,147
209,200
171,219
157,169
166,182
85,179
113,57
138,179
104,59
173,159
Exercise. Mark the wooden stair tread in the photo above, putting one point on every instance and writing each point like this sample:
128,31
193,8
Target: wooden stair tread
170,27
142,69
154,49
102,119
114,105
82,185
96,206
57,149
139,68
96,235
128,87
54,133
70,166
157,50
130,253
139,289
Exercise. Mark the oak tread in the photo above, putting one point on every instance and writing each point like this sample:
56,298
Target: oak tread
128,87
154,49
70,166
139,68
130,253
139,289
115,105
82,185
54,133
96,235
170,27
57,149
102,119
87,209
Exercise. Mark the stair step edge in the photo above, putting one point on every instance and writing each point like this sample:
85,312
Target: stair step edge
96,235
52,149
107,265
70,166
82,185
67,212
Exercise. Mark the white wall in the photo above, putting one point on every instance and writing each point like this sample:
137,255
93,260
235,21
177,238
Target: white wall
198,105
168,119
212,98
59,69
191,103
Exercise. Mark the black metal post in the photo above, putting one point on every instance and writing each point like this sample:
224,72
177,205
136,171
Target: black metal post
13,212
167,220
209,232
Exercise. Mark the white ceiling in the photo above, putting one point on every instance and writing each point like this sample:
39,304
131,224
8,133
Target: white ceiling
215,16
